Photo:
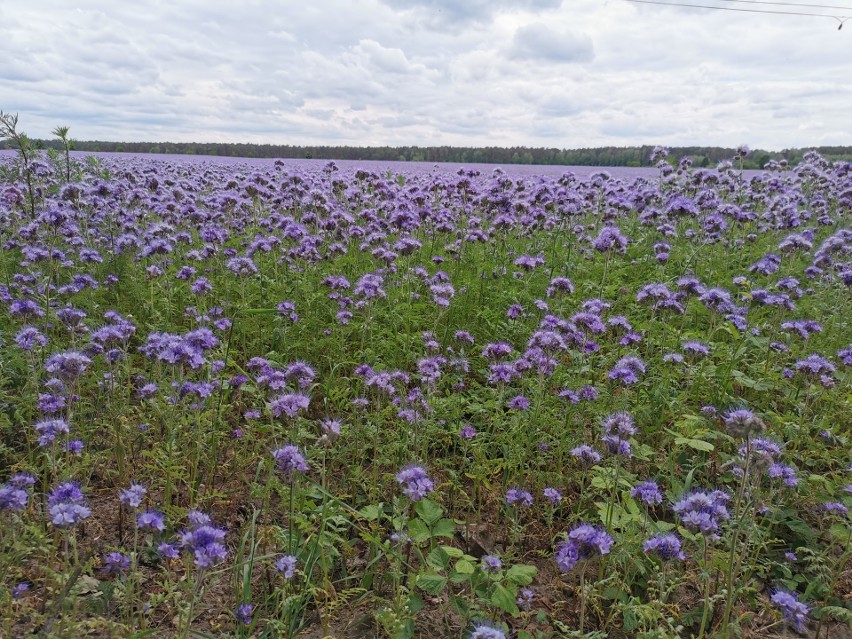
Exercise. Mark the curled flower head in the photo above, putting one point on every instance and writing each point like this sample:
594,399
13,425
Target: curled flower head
286,565
703,511
290,460
243,613
133,495
415,482
743,423
67,505
666,547
484,630
794,611
583,542
519,496
648,493
206,543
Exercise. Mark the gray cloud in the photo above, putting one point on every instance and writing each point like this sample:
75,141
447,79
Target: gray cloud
535,72
540,42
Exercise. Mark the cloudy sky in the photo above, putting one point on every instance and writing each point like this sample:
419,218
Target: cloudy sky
556,73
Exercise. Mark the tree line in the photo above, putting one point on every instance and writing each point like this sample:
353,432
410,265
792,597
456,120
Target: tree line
596,156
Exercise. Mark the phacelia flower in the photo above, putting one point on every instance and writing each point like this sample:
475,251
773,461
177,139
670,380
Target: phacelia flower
794,611
584,541
666,547
415,482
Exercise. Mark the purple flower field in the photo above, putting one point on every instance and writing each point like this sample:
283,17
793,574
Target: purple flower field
244,398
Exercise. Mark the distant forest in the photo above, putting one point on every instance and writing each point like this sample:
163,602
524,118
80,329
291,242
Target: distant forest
599,156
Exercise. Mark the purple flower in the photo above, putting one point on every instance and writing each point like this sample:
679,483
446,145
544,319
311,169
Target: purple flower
289,404
415,482
49,429
67,505
467,432
836,507
69,365
28,338
743,423
243,613
491,563
115,563
785,473
696,348
205,542
584,541
552,495
519,496
482,630
289,459
586,454
286,565
133,495
648,493
610,238
288,310
666,546
794,611
627,370
514,311
14,494
169,551
151,520
703,511
20,589
519,403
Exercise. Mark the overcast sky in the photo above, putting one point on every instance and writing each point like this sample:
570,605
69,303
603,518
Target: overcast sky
553,73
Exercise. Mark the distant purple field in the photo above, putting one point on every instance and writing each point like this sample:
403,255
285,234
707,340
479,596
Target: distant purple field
382,166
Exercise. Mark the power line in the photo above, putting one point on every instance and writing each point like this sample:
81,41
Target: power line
840,19
790,4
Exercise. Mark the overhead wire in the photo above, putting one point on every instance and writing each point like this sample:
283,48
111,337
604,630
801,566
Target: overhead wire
840,19
790,4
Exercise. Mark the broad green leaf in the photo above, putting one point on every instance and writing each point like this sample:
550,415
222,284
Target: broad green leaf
697,444
504,599
431,584
418,530
521,574
438,559
464,567
429,511
444,528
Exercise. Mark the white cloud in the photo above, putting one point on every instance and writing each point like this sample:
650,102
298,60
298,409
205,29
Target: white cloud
526,72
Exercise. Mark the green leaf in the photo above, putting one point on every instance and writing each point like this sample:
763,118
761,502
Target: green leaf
429,511
697,444
444,528
431,584
370,512
521,574
464,567
504,599
455,553
415,603
418,530
438,559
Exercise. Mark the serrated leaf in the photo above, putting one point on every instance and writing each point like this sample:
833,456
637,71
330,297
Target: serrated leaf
696,444
428,511
521,574
444,528
438,559
464,567
370,512
431,584
455,553
504,599
418,530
